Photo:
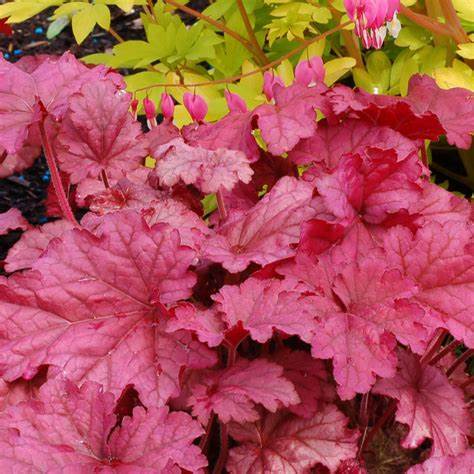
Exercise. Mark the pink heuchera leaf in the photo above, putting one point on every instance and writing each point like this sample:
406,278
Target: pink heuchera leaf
264,233
24,158
382,110
32,243
75,430
437,204
208,170
310,378
232,393
11,220
205,323
292,118
233,132
99,133
461,464
429,405
17,99
457,120
97,309
331,141
264,305
439,260
360,318
52,83
291,444
373,185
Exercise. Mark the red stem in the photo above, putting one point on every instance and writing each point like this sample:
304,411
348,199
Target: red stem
435,344
222,459
105,180
459,361
380,422
447,349
55,175
221,206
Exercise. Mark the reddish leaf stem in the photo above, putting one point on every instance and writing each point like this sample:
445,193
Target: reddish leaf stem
464,356
380,422
453,22
55,175
251,34
434,345
105,180
427,23
222,459
446,350
221,206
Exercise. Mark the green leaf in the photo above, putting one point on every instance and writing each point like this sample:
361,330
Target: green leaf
379,68
83,23
466,50
102,15
413,37
336,68
56,26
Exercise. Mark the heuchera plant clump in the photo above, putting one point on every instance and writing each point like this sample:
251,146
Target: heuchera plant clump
330,286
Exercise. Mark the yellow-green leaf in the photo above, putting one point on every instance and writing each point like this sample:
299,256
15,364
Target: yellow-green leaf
102,15
83,23
336,68
466,50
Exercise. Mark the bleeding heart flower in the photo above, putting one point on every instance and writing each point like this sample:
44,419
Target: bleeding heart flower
235,102
309,73
371,18
167,106
269,81
196,106
150,112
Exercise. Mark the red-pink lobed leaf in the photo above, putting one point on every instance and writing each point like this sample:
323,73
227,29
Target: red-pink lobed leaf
438,258
99,133
291,445
74,430
461,464
331,141
95,307
11,220
429,405
32,243
233,393
292,118
458,120
209,170
265,305
264,233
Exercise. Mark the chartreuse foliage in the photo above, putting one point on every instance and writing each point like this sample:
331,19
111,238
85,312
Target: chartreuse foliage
230,38
327,291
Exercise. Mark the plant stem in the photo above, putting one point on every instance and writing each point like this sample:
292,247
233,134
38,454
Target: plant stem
446,350
55,175
221,205
105,180
352,46
434,345
116,35
452,20
222,459
464,356
217,24
251,34
298,49
380,422
428,23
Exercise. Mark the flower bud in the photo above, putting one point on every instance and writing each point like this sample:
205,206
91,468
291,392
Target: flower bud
196,106
235,102
150,109
310,73
167,106
269,81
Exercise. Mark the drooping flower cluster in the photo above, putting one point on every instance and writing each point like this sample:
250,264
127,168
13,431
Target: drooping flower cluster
328,266
373,18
